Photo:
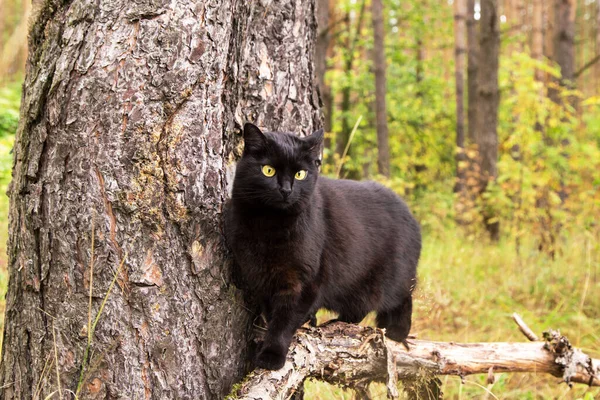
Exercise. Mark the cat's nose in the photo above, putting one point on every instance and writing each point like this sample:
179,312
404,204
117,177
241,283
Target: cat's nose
285,192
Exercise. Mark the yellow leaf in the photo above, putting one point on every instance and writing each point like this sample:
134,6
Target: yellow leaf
554,198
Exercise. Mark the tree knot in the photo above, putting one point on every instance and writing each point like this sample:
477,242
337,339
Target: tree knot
569,359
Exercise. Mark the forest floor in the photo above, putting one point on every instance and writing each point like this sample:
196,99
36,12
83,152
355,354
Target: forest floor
467,292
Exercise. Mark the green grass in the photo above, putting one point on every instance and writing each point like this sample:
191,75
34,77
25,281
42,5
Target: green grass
469,291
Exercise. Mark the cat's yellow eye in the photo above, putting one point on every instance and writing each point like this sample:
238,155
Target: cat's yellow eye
267,170
300,175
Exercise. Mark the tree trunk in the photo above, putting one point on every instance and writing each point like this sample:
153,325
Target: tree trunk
537,36
379,65
322,50
487,101
564,45
128,128
343,138
597,47
549,30
460,14
473,58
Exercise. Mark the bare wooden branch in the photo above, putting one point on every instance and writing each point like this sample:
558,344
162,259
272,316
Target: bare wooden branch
529,334
346,354
586,66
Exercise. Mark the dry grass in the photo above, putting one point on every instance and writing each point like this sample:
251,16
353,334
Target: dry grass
468,292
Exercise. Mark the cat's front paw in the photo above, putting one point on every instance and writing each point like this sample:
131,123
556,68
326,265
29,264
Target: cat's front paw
271,358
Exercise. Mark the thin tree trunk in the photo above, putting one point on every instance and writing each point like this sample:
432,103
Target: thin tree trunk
460,15
322,51
420,55
128,125
350,46
473,58
344,135
487,102
597,47
564,45
537,36
379,65
548,35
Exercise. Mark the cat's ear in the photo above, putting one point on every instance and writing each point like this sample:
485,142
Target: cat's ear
314,141
254,139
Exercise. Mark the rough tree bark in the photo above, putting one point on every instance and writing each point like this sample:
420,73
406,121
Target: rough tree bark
128,123
488,96
379,66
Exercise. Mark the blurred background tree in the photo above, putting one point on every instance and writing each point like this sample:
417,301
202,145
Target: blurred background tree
490,133
490,120
14,15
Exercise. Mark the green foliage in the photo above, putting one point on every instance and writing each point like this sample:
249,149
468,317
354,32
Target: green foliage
548,155
549,162
9,107
420,123
546,195
10,97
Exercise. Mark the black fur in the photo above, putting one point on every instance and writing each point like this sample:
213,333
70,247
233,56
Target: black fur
351,247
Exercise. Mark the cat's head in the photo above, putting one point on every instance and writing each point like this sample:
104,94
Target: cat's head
277,170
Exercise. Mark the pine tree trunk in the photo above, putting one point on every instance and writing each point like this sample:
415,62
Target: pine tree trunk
549,29
322,50
597,47
128,124
342,139
564,45
537,35
379,65
488,99
460,36
472,61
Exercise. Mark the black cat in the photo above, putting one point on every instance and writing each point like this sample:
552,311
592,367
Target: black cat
302,242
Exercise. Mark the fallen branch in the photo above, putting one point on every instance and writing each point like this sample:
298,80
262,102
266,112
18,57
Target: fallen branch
353,355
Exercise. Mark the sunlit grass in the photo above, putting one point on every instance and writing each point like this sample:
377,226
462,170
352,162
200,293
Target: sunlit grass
468,290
